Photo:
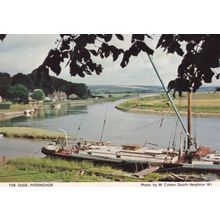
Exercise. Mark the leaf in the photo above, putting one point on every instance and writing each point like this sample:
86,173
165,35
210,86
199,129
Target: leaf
179,51
120,37
74,68
93,52
98,69
65,54
137,37
147,35
91,66
2,36
65,45
144,47
91,38
207,76
125,59
55,67
108,37
115,52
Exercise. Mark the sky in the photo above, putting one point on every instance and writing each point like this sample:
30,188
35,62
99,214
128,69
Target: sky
23,53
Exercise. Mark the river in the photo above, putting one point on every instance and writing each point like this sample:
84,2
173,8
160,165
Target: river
120,128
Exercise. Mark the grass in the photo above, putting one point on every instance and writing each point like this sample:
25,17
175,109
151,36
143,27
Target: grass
30,133
16,107
30,169
203,104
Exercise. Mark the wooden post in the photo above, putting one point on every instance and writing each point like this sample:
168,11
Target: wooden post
189,118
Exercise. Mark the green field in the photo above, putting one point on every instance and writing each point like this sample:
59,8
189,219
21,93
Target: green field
203,104
32,169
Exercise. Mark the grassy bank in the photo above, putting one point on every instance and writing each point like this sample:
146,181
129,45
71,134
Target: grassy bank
48,170
16,108
31,133
204,104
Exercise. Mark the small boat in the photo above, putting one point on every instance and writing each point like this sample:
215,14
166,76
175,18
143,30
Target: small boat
28,112
51,148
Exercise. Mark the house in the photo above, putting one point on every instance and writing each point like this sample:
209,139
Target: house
58,96
73,97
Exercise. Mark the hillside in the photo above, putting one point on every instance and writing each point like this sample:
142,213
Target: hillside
47,83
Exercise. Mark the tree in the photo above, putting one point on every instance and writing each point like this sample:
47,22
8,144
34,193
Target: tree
23,79
5,83
38,94
19,93
201,53
81,49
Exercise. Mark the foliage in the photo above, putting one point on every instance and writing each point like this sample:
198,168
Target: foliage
201,53
38,94
18,92
2,36
200,56
5,82
81,49
22,79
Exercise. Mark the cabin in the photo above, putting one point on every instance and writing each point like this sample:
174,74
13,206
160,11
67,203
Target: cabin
132,147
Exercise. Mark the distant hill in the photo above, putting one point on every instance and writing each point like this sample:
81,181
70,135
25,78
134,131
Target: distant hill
111,89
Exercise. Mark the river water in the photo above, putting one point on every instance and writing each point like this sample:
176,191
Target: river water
120,128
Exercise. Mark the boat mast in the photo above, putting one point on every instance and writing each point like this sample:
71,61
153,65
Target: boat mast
189,120
104,122
170,99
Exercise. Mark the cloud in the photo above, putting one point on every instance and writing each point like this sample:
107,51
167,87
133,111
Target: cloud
23,53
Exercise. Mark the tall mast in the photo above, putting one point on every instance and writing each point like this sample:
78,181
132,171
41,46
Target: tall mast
189,119
171,100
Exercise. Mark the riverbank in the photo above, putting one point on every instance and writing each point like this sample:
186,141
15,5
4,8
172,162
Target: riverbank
30,169
17,110
204,104
30,133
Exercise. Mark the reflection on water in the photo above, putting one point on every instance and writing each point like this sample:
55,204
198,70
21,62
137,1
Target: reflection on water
46,113
121,127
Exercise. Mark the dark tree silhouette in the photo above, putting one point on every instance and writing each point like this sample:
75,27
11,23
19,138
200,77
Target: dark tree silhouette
2,36
80,50
201,55
23,79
